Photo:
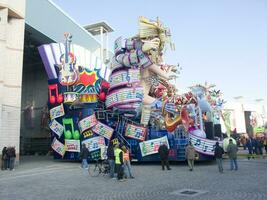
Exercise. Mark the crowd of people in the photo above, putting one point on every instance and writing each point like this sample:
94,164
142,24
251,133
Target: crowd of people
254,145
119,161
8,158
119,158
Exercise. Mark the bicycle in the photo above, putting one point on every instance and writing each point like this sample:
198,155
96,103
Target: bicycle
99,167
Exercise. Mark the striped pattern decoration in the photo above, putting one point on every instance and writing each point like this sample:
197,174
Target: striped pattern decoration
50,54
202,145
123,96
124,77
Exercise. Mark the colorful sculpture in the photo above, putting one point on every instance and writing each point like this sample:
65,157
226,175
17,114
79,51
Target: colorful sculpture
137,105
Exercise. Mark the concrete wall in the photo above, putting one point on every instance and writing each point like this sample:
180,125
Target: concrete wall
11,58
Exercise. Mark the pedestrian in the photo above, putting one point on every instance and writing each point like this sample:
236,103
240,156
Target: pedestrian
127,163
84,156
250,148
190,155
265,144
119,162
111,159
218,152
11,152
164,155
232,151
4,159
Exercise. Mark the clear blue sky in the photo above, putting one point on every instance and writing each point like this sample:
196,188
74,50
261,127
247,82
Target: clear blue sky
223,42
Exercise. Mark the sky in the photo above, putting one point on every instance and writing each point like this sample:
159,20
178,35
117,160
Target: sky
223,42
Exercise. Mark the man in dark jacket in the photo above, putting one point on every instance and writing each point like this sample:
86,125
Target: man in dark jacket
84,156
232,151
164,154
111,159
218,152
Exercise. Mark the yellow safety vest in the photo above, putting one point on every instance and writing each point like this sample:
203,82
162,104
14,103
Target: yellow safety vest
117,156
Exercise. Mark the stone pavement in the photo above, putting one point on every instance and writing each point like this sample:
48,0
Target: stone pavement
42,178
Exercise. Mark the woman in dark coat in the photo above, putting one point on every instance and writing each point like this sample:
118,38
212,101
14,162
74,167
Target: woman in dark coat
4,159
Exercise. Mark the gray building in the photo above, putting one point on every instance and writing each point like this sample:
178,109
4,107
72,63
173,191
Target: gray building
25,25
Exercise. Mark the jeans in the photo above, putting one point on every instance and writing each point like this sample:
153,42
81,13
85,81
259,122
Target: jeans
219,163
233,164
127,164
112,167
84,163
11,163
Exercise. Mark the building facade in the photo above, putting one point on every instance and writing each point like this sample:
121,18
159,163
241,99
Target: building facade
25,25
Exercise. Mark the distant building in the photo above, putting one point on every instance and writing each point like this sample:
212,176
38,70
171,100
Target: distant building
245,117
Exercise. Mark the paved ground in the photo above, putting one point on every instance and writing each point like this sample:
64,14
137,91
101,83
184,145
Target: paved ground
42,178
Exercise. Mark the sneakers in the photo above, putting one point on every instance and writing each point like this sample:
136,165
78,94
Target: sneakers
169,169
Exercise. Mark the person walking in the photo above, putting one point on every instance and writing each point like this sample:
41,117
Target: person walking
84,156
119,162
164,155
111,159
11,152
190,155
250,148
127,163
232,151
218,152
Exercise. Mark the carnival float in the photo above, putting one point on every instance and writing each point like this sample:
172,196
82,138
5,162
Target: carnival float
136,103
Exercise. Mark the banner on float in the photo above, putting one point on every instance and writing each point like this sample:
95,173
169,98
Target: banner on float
203,145
56,127
103,130
72,145
124,96
87,123
151,146
124,77
94,143
57,112
136,132
58,147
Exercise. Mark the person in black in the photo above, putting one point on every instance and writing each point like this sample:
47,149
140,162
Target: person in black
84,156
11,152
218,152
164,154
111,159
4,159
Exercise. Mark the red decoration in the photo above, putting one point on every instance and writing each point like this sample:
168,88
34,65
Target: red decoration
87,79
102,96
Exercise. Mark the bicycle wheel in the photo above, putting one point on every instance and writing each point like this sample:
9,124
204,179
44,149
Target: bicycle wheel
93,169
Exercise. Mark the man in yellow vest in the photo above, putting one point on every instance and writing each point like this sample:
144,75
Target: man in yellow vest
119,162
